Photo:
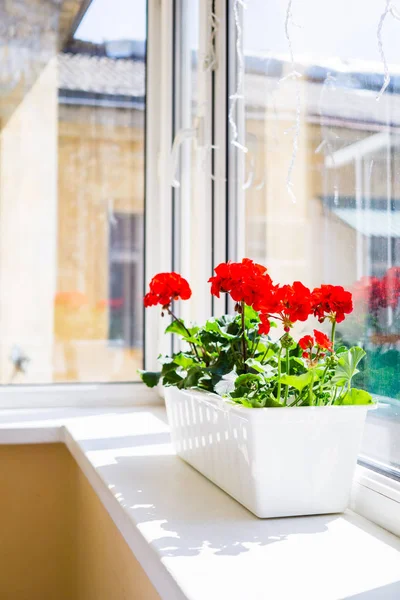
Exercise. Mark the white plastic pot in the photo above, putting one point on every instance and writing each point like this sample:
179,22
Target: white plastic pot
277,462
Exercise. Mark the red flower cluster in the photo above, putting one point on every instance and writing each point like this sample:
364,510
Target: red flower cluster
249,282
289,303
331,301
372,292
166,287
320,340
246,282
391,285
379,293
264,326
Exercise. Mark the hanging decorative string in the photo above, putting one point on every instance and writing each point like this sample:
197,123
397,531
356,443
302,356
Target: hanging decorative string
371,165
238,95
391,10
210,60
386,78
328,135
294,75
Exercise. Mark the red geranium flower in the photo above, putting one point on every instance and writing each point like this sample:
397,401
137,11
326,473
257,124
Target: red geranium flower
289,303
391,286
331,301
245,282
322,340
166,287
372,292
296,302
306,342
264,326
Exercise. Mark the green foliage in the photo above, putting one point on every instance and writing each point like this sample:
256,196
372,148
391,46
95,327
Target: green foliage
150,378
347,366
355,397
252,370
299,382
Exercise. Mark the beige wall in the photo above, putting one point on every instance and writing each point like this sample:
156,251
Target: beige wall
57,542
37,503
101,169
105,566
28,225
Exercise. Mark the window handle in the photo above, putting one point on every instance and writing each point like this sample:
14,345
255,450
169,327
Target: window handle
181,136
193,133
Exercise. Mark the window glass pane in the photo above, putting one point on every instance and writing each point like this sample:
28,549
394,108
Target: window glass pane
189,154
72,99
320,190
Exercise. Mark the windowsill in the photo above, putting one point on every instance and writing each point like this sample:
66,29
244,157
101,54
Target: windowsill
194,541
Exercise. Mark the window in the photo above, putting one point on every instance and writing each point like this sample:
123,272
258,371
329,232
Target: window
313,140
72,85
125,281
191,151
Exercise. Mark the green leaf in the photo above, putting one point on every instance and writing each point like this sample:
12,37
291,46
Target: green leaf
213,325
226,385
178,328
150,378
248,380
263,349
249,385
172,378
183,360
168,366
165,360
243,401
258,402
267,370
341,349
299,382
251,315
193,376
355,397
347,366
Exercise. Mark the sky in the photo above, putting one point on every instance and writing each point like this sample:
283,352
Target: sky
322,29
110,20
340,29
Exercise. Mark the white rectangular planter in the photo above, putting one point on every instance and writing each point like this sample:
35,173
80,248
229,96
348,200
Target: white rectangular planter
278,462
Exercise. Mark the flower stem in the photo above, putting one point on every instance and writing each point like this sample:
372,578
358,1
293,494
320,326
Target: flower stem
287,373
310,390
244,349
333,336
191,344
278,396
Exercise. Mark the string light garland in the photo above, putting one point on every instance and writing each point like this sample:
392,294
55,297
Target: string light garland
238,95
392,11
294,75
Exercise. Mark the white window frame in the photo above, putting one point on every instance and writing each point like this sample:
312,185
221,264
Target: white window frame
193,219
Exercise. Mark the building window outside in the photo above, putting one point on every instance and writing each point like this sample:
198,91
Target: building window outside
125,281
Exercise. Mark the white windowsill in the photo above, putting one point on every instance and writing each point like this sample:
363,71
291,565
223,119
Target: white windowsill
78,395
193,540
